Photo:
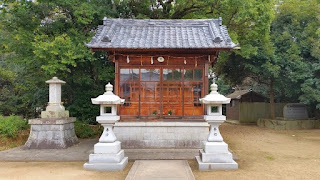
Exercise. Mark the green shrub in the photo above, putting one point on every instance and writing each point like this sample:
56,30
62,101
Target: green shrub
11,126
84,130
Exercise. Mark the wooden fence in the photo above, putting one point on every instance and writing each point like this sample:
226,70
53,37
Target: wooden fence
251,112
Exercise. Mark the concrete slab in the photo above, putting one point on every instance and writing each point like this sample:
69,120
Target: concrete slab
78,152
81,151
160,169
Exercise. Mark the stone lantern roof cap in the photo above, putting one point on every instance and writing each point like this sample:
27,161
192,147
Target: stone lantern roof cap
108,97
214,97
55,80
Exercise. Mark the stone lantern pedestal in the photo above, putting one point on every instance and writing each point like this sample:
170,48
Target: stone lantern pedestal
215,154
55,129
108,155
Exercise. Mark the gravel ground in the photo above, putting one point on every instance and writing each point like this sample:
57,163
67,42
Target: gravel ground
262,153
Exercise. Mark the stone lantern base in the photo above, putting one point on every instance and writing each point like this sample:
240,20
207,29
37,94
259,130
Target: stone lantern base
51,133
216,156
107,157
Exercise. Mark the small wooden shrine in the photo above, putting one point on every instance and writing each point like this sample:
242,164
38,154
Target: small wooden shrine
161,66
161,70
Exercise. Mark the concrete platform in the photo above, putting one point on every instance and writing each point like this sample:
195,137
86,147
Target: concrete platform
78,152
160,169
161,135
81,151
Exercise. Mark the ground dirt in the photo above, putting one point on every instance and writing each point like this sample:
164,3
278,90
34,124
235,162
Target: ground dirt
262,153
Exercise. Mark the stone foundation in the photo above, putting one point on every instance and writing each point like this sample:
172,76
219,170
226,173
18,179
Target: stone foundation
51,133
153,135
286,124
107,157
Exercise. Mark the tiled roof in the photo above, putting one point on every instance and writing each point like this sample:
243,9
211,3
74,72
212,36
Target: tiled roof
162,34
237,94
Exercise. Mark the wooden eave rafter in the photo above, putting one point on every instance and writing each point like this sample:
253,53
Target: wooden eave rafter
213,53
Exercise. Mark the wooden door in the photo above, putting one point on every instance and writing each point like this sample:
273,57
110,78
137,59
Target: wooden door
150,93
153,93
172,93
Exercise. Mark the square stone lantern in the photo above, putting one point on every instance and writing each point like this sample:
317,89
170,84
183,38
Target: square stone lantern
55,129
107,155
215,155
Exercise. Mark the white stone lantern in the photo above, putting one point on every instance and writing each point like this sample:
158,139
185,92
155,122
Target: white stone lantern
214,116
108,155
108,113
215,155
55,108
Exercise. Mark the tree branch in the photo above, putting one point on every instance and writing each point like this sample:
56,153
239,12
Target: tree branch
185,11
232,16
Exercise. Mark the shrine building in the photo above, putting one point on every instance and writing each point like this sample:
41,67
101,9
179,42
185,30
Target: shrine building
161,70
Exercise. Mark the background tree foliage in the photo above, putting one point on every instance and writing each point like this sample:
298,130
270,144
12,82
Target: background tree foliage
47,38
44,39
286,65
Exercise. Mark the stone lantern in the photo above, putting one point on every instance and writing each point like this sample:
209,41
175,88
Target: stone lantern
55,107
215,155
55,129
107,155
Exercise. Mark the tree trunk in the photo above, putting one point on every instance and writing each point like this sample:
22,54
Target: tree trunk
272,112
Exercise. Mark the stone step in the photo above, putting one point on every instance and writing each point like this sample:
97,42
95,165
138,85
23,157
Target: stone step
106,166
216,166
162,154
135,154
150,154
